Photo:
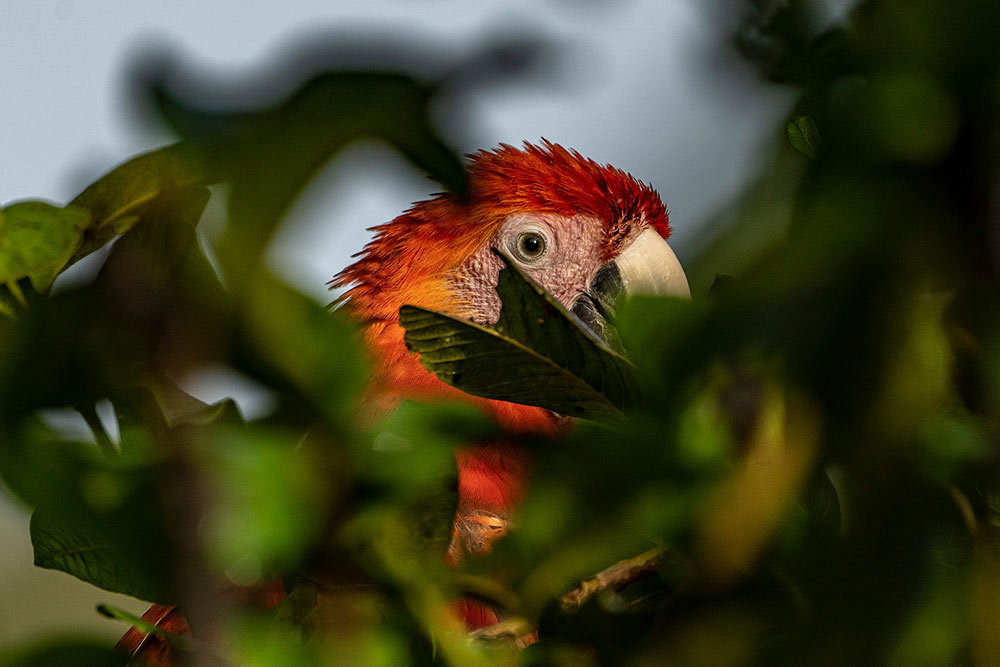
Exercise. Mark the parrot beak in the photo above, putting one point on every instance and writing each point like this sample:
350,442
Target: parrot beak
647,266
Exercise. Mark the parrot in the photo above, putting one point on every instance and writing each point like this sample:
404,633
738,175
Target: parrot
586,232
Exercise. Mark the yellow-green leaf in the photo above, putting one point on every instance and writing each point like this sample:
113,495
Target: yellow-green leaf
115,199
38,239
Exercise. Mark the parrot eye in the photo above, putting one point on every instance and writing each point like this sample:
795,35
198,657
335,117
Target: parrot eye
530,245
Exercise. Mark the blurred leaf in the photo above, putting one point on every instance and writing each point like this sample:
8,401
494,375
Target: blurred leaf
116,199
179,407
294,138
259,642
804,136
317,351
747,509
412,448
270,501
65,652
940,627
38,239
160,263
924,117
539,354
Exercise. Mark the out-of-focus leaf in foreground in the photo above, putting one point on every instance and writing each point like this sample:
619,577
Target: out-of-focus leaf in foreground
295,137
116,199
38,239
62,652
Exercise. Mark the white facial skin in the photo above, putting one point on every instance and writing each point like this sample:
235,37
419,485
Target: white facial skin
570,256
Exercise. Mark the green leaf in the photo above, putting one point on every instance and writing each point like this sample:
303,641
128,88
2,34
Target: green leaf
269,500
804,136
63,545
539,354
116,199
97,519
62,652
38,239
316,351
562,338
270,154
163,254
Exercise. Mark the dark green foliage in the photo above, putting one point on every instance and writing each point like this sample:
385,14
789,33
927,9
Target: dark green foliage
814,441
61,653
38,240
561,366
804,136
90,512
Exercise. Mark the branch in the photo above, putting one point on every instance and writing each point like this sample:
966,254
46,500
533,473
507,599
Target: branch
616,577
510,629
89,413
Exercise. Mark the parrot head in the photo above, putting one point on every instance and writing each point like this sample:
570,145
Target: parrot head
585,232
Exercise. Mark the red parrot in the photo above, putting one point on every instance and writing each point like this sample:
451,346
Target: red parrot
584,231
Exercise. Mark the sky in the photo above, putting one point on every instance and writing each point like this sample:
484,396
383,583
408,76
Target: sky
640,84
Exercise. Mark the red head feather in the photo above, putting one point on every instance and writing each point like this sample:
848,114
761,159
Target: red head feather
552,179
409,256
408,260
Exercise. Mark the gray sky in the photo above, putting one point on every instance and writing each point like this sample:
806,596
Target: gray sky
635,90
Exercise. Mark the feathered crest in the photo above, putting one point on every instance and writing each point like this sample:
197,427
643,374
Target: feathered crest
437,235
554,179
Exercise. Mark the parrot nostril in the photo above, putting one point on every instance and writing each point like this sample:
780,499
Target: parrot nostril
594,316
606,287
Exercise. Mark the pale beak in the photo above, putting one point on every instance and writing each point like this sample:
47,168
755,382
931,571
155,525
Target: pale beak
647,266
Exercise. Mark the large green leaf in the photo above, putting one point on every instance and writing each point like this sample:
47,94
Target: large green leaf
270,499
90,556
79,652
38,239
309,348
539,354
95,518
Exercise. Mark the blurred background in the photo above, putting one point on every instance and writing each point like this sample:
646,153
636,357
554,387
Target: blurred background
650,86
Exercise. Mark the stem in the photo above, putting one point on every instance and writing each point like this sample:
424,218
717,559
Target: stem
616,577
100,434
15,289
511,629
180,641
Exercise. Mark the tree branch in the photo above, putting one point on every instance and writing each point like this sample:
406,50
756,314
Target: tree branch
616,577
509,629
